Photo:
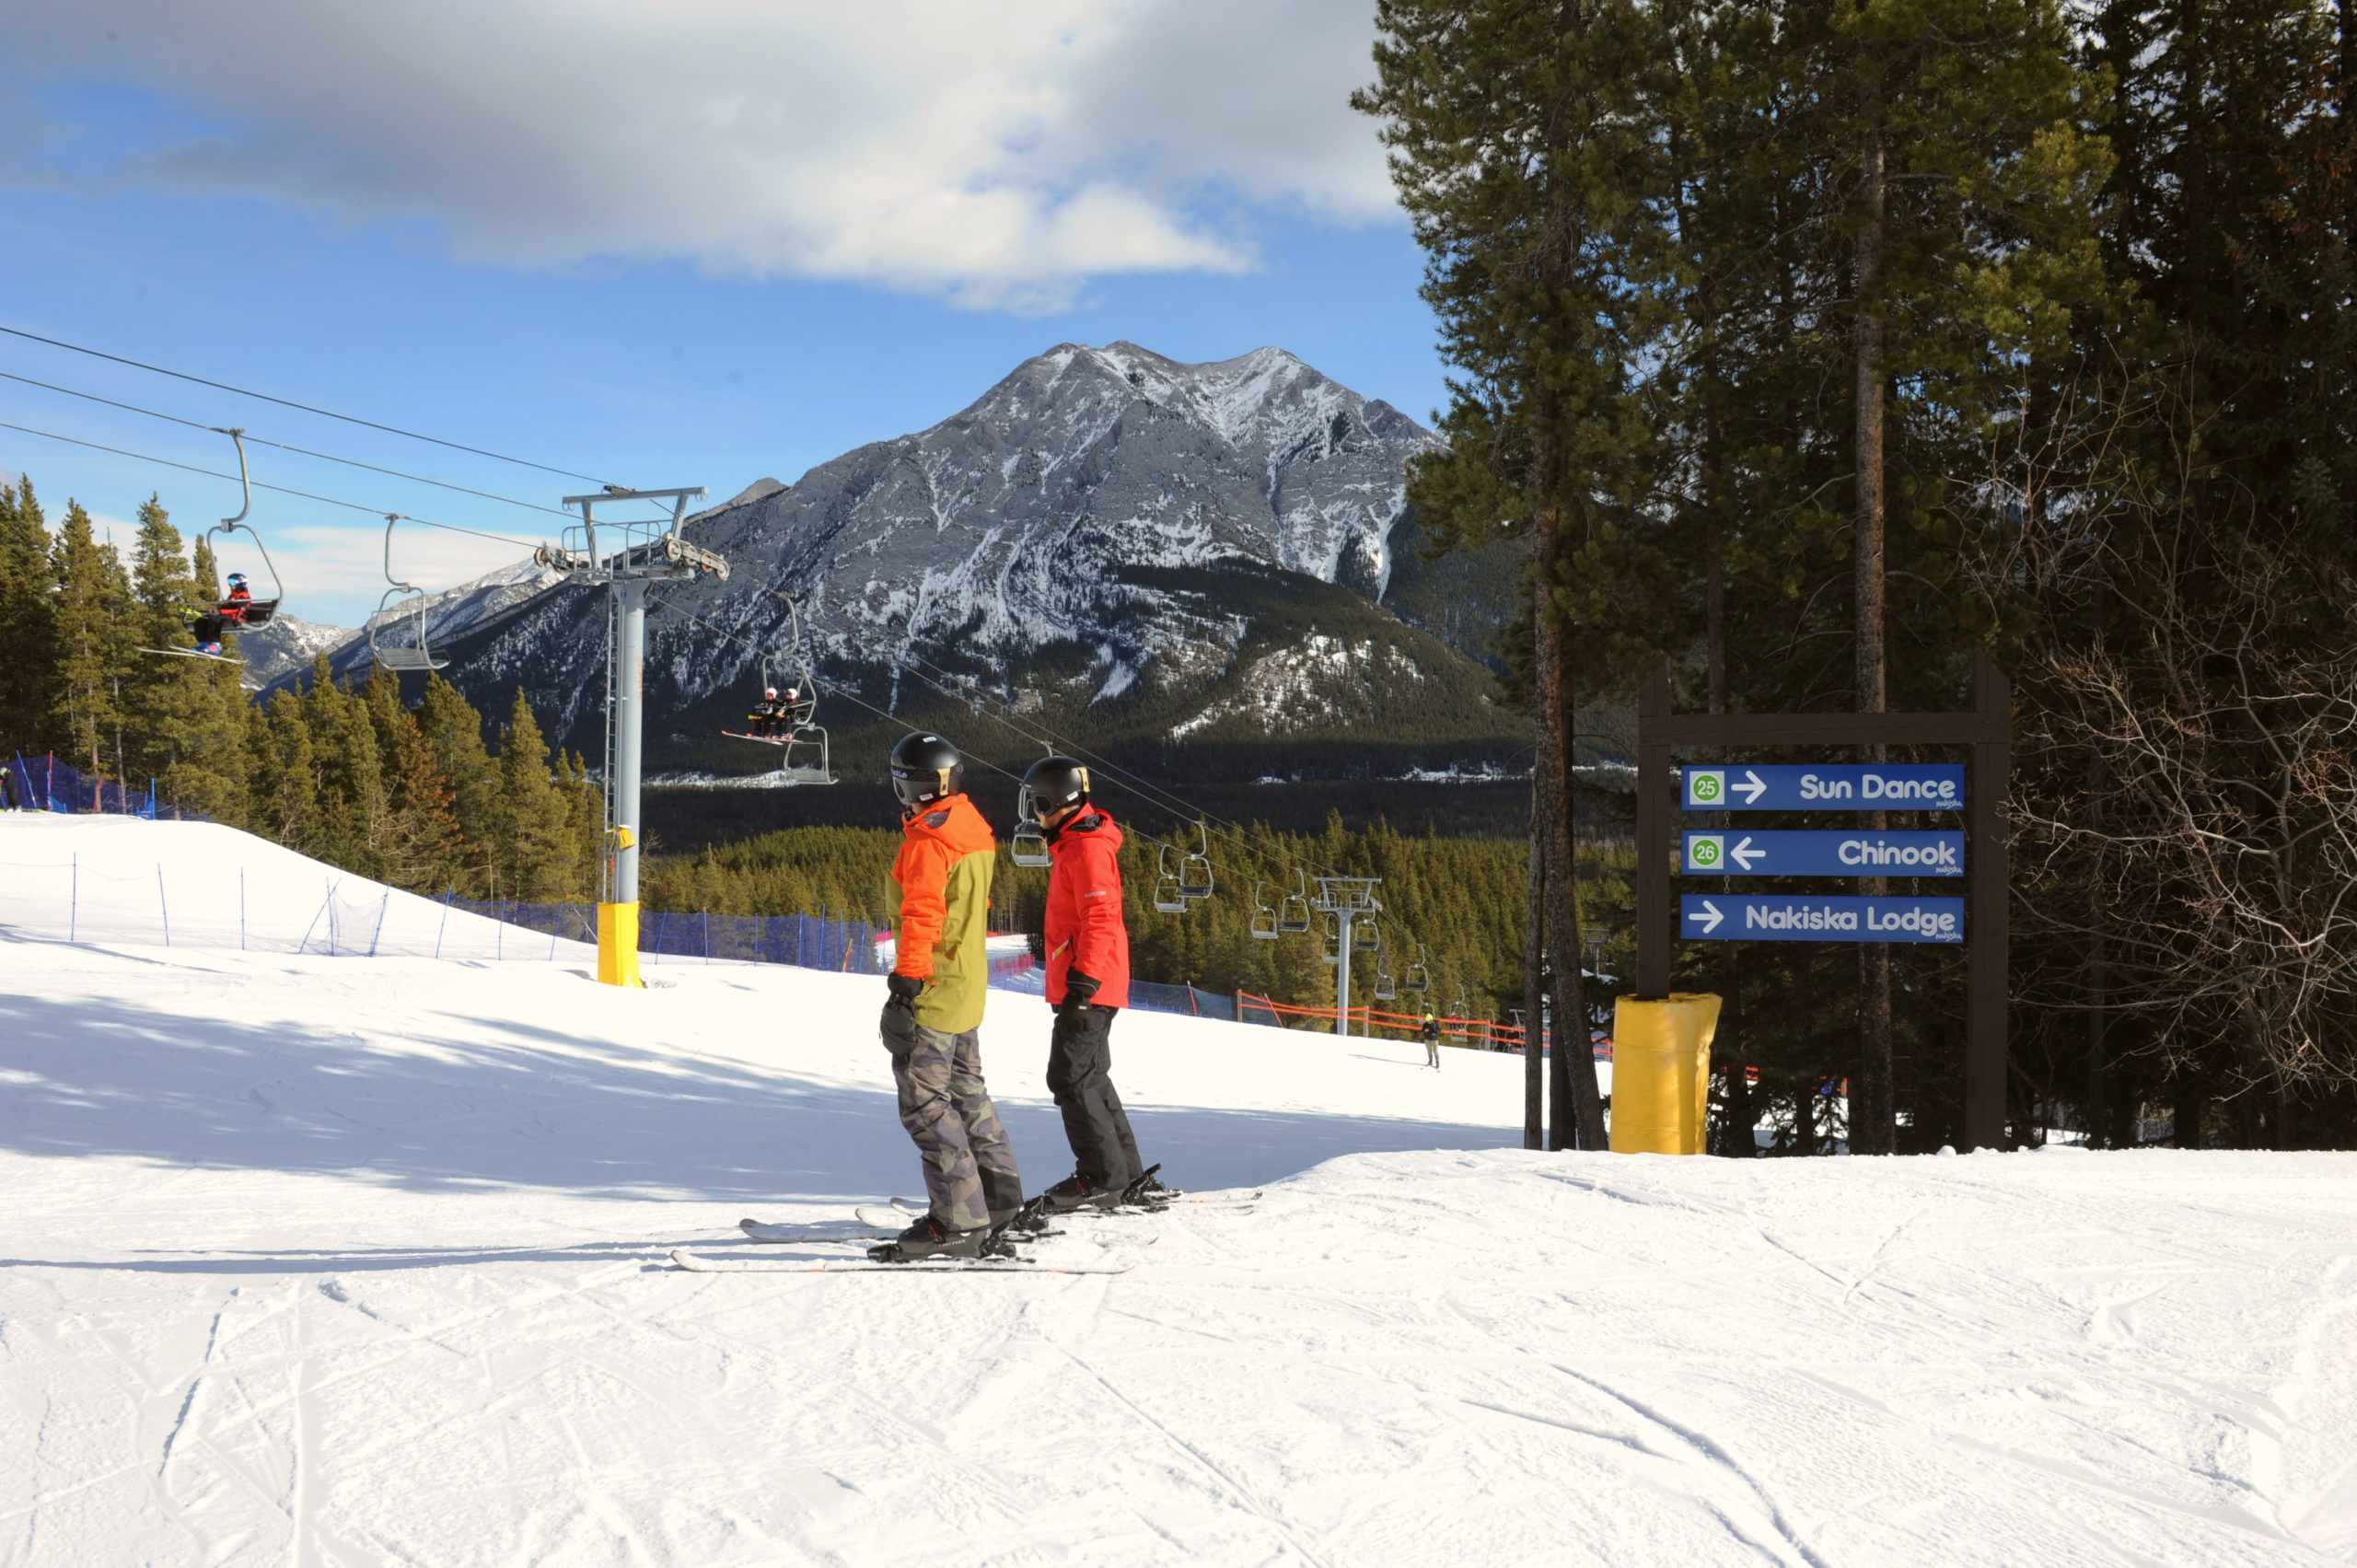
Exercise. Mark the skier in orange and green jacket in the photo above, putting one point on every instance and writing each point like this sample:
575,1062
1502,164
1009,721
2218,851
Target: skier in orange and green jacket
938,898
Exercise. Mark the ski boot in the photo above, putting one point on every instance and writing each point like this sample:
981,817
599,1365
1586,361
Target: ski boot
1075,1191
930,1238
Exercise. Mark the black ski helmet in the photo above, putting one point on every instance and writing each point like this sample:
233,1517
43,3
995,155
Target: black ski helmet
926,768
1051,785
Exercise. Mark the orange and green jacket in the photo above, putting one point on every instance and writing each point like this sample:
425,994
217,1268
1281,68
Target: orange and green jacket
939,896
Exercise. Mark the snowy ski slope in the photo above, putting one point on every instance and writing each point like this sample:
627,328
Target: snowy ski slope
349,1261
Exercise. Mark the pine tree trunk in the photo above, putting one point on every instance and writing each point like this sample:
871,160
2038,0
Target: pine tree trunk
1578,1119
1872,1116
1534,945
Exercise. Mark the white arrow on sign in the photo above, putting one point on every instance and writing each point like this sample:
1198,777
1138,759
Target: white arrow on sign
1743,854
1711,921
1753,787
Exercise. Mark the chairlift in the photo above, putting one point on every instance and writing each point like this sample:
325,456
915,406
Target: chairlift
1029,843
1385,989
231,613
1364,936
1264,917
1457,1016
789,722
1168,898
1332,949
1419,977
1292,914
1195,870
419,653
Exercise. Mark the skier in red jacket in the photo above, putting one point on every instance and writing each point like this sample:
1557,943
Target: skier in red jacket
1089,981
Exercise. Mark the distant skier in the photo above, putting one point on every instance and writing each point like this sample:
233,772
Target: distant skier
1089,981
939,893
1432,1041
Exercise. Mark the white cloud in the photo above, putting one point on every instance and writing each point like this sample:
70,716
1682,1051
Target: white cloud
998,151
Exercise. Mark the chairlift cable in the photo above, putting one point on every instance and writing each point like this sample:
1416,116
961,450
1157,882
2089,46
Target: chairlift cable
305,408
259,485
301,451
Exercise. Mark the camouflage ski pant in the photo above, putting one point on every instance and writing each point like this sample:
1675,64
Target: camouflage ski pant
968,1164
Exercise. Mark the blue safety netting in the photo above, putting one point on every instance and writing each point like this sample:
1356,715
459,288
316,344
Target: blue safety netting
45,784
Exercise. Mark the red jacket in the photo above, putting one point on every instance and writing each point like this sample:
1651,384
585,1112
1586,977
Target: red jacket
1084,929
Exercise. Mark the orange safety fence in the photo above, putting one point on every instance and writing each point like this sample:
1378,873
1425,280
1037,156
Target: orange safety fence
1488,1034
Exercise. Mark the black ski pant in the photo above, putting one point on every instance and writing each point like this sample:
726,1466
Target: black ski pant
1080,1075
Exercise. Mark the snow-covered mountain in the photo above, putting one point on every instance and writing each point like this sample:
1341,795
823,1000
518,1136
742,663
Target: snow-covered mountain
1189,552
287,645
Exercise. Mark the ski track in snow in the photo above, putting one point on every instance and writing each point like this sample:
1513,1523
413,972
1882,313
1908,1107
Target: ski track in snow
348,1260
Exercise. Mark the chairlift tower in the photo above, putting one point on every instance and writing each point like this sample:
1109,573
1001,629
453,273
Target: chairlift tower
631,555
1346,899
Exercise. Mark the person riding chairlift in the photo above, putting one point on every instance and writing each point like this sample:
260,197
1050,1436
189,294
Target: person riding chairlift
774,717
769,716
233,609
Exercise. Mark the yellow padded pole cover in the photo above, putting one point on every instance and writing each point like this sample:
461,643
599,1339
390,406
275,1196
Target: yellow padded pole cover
1661,1074
618,944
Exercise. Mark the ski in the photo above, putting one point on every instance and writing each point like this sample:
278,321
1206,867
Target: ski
192,653
695,1264
779,1234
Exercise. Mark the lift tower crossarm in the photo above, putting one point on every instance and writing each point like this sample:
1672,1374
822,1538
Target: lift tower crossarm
636,552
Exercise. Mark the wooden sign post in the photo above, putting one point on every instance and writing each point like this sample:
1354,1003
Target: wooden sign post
1986,729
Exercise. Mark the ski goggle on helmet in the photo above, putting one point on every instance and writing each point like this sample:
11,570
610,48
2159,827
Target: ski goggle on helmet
237,579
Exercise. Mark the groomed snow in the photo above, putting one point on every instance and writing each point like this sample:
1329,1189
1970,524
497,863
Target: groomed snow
345,1261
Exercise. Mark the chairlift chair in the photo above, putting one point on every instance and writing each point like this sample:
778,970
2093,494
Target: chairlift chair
1292,914
1195,869
802,733
1168,898
1332,949
1419,977
1385,989
1365,937
419,653
1457,1017
1027,845
229,614
251,614
1264,918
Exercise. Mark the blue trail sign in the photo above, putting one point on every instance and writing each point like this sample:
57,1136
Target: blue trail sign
1825,786
1792,917
1811,851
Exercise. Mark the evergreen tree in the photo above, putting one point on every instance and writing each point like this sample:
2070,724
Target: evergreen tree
27,621
1523,152
211,771
532,835
423,842
91,648
286,786
453,733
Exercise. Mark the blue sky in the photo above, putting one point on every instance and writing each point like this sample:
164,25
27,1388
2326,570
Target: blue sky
696,295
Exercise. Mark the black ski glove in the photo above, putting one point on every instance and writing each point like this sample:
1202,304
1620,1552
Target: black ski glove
899,1024
1080,988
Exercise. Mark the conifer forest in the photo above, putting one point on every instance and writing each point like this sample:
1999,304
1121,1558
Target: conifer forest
1814,349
